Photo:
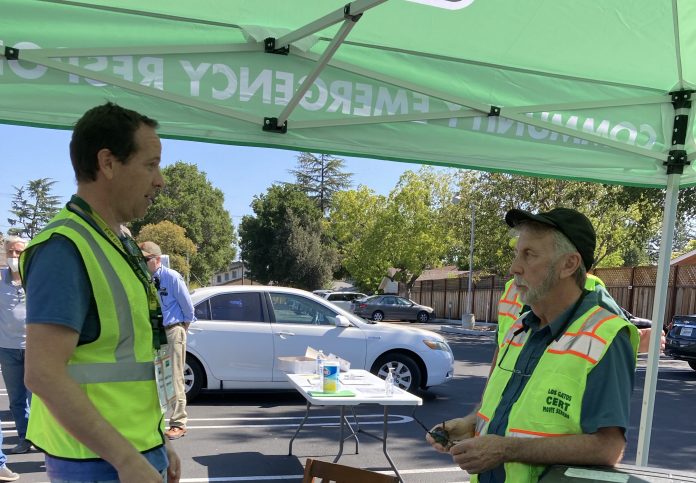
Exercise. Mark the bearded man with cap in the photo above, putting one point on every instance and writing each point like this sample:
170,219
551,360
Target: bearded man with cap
177,313
560,389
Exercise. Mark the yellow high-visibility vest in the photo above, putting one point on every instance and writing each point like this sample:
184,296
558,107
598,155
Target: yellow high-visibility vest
116,371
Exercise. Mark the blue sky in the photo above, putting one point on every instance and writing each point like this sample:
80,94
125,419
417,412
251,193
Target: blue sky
240,172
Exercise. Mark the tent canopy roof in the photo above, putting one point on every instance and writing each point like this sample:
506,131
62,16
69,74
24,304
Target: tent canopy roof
566,89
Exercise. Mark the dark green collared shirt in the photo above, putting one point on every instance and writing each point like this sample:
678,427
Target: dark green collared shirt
607,396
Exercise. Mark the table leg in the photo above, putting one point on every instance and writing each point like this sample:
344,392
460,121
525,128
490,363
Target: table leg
344,422
299,428
384,444
354,433
383,439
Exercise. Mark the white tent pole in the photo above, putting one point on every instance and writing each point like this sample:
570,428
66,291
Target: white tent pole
360,121
669,216
356,8
323,60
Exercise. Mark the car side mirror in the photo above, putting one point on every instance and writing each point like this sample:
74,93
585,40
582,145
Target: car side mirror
342,321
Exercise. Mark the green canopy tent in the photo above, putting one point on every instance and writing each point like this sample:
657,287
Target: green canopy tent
597,91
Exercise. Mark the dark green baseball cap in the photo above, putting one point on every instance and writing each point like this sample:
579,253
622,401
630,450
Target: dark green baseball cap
573,224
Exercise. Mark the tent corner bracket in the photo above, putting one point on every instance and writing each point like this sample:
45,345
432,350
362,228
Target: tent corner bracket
270,124
682,99
494,112
269,46
347,15
676,160
11,53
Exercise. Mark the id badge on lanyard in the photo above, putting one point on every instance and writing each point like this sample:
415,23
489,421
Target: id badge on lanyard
164,376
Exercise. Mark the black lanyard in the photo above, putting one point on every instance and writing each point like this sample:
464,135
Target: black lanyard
130,251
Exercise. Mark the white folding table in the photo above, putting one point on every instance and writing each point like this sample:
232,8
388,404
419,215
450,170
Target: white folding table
368,389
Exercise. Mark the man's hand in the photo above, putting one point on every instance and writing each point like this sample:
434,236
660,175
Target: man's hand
476,455
138,470
174,469
644,344
457,429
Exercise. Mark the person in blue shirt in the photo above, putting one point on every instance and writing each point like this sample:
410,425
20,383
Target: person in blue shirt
177,312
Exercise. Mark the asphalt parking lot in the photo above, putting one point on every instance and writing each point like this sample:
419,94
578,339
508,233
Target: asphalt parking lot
243,437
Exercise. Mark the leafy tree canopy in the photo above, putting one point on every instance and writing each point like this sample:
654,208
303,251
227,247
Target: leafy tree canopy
624,224
171,238
408,231
33,206
190,201
284,242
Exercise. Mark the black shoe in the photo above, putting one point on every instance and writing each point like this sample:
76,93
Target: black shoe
22,447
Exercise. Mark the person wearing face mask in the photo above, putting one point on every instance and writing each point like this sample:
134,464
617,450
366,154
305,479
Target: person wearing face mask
12,344
13,341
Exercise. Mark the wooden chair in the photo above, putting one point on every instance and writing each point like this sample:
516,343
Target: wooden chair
342,474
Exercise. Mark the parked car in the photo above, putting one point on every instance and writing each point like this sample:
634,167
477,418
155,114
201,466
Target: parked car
242,330
681,339
393,307
344,299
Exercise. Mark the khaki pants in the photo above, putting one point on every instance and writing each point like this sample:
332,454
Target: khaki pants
176,338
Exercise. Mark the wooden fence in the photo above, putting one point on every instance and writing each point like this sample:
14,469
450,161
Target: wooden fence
632,287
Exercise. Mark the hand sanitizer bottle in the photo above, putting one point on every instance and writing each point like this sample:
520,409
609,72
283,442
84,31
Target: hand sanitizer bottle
389,383
320,357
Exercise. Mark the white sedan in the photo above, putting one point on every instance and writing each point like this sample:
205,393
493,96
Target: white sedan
242,330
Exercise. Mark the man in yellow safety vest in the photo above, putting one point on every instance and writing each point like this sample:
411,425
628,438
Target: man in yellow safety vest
559,390
94,325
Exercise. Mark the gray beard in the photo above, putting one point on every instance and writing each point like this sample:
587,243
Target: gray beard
534,295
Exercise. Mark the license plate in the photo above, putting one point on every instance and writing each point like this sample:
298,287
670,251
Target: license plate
686,331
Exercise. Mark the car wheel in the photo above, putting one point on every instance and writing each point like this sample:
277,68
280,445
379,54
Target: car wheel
194,377
406,371
378,315
423,317
692,364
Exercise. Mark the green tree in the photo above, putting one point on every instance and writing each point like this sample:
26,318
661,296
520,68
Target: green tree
284,242
408,231
690,246
172,239
624,225
352,220
33,206
190,201
321,177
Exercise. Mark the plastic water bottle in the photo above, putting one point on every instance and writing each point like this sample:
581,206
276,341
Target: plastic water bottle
389,383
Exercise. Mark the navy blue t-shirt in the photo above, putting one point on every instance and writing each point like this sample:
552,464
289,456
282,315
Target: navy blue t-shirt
62,295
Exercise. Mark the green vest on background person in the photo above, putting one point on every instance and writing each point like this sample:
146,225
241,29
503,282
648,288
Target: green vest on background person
551,401
122,352
510,306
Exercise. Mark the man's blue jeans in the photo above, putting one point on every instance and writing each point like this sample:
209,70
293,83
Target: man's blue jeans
12,365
